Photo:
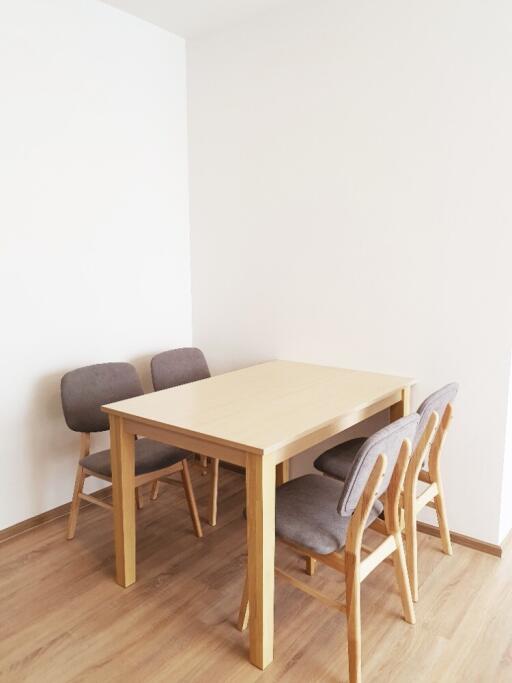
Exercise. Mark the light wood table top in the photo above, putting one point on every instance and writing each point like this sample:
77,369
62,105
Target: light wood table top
265,407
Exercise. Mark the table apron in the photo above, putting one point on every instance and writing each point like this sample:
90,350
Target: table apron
237,456
187,442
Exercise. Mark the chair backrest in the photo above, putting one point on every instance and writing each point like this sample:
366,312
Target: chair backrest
178,366
85,390
438,402
388,441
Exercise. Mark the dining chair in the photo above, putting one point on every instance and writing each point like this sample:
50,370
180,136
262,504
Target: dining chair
435,413
83,392
174,368
320,517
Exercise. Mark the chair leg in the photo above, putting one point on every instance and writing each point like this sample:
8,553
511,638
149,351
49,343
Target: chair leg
191,500
204,464
75,503
154,490
442,521
310,565
139,498
402,579
214,490
411,546
353,595
243,614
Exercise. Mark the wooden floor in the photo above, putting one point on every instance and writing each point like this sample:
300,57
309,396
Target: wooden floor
62,617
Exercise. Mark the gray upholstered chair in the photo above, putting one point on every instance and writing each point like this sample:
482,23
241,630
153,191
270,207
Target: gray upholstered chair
171,369
435,416
323,518
83,392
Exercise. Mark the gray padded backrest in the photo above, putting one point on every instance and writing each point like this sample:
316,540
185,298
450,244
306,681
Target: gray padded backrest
179,366
85,390
388,441
438,402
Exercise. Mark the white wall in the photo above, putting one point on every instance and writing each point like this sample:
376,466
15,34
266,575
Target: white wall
350,205
93,218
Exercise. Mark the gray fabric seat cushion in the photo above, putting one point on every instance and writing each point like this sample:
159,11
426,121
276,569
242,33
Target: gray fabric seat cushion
337,461
150,456
306,513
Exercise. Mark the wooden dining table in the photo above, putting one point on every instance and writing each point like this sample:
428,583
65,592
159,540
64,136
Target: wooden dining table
257,418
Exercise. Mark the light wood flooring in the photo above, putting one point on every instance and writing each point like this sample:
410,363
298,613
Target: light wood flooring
62,617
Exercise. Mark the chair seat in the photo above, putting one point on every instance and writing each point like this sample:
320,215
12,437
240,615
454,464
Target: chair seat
306,513
150,456
337,461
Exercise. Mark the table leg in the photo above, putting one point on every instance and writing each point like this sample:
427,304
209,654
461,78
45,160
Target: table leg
214,489
403,407
261,493
283,472
122,455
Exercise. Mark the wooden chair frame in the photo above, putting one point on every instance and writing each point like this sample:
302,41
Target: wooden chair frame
355,567
431,445
214,486
140,480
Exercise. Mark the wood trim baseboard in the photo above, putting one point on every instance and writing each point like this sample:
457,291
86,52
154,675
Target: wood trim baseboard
62,510
461,539
48,516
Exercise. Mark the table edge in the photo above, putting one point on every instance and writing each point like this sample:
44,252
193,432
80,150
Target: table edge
242,447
